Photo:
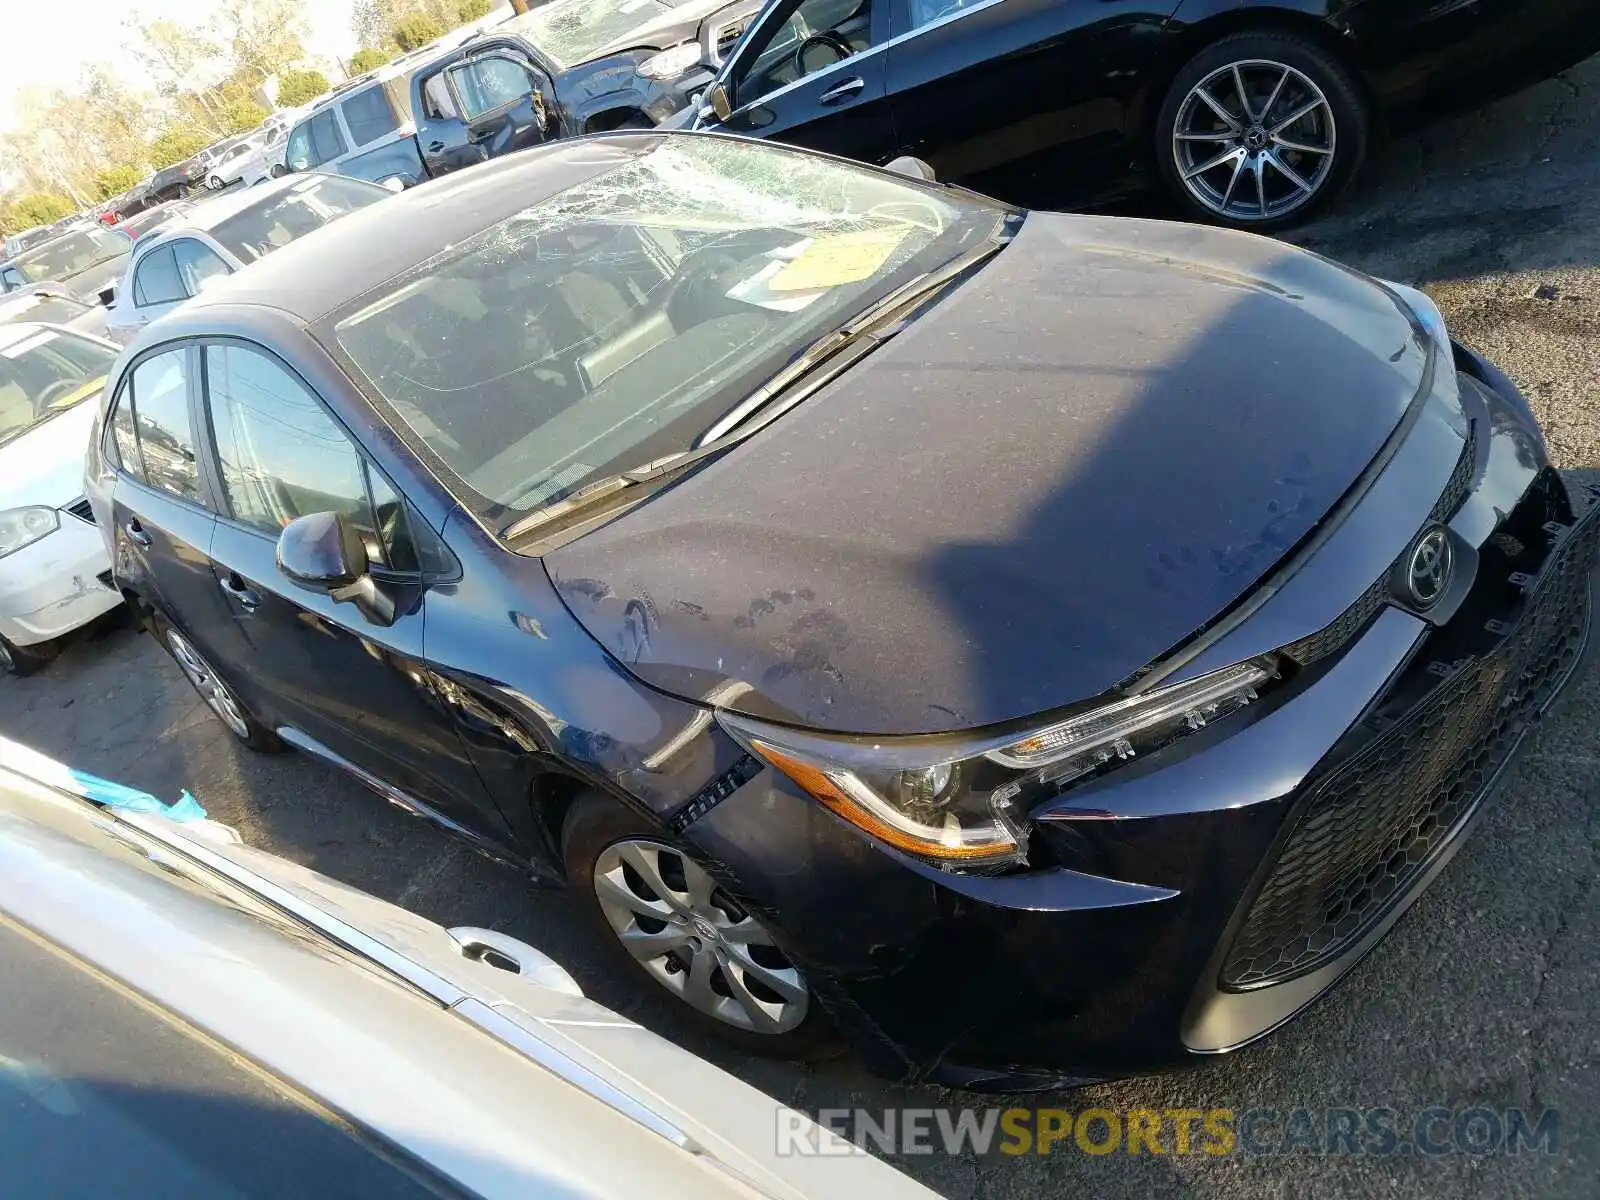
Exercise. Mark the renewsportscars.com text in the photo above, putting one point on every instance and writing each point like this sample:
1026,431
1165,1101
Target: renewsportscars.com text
1263,1132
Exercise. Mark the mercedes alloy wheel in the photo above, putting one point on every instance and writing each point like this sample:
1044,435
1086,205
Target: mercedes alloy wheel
1261,129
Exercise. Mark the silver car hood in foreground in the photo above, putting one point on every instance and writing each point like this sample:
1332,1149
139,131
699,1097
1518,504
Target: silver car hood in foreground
512,1085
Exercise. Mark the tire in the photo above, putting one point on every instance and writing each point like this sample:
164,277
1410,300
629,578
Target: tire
1291,169
25,660
600,837
213,690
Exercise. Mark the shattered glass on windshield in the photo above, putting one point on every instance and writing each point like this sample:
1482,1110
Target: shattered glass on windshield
614,322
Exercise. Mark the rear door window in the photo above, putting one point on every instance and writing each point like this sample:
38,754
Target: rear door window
197,262
161,421
367,115
156,281
123,437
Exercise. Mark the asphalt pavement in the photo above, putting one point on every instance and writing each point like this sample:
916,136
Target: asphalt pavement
1485,995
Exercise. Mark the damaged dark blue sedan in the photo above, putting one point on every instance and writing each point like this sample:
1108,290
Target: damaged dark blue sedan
1033,647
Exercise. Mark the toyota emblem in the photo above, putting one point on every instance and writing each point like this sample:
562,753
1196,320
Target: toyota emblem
1429,567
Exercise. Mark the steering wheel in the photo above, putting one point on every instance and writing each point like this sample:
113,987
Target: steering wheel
61,387
699,291
827,40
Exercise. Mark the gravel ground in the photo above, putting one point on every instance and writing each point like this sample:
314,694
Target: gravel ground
1483,995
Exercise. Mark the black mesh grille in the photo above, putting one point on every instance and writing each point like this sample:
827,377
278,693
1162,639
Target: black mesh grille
1455,489
1345,626
81,510
1369,830
1354,619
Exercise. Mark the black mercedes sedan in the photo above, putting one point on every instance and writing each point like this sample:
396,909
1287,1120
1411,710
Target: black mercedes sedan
1251,113
1033,647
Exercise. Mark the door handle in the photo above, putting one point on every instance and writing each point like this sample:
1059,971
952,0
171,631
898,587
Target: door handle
847,90
136,533
245,597
478,136
435,147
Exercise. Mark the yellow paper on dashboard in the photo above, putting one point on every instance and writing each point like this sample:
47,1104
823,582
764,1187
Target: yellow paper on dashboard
839,259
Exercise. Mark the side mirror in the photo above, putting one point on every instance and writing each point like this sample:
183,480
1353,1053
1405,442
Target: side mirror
279,170
912,168
721,104
324,553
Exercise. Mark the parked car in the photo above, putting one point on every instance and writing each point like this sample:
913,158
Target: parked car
49,305
176,182
1252,113
363,129
222,235
570,67
859,591
186,1016
86,261
253,160
16,243
54,575
151,219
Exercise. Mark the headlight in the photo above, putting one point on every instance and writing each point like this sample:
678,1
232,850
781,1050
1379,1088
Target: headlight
961,800
1426,312
671,63
20,527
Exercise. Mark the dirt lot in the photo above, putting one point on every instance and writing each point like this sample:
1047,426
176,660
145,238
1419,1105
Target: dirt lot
1484,995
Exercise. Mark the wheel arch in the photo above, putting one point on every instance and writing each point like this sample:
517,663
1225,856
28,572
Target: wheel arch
616,118
1199,23
552,795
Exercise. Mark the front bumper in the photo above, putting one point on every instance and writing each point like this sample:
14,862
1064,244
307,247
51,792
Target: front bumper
1197,899
54,585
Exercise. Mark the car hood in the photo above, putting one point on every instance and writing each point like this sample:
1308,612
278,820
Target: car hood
45,465
1069,467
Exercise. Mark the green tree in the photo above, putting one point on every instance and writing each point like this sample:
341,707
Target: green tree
241,115
415,30
363,61
39,208
113,181
301,87
471,10
175,145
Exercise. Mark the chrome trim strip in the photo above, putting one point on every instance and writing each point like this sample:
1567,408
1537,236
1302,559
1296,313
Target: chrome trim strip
896,40
948,18
831,68
506,1031
163,831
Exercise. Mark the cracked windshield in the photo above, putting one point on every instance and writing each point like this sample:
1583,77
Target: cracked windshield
616,321
572,31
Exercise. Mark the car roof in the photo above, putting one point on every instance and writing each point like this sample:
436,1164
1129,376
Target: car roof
323,272
205,215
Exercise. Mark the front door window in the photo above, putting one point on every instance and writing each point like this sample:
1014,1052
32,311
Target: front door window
815,36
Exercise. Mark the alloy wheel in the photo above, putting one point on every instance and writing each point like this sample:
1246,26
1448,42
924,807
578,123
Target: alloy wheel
695,940
1255,140
7,662
212,690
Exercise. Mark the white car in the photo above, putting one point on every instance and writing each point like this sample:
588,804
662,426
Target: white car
185,1016
222,235
54,574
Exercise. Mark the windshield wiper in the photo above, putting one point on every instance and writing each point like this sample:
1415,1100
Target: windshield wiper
603,489
876,323
870,327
